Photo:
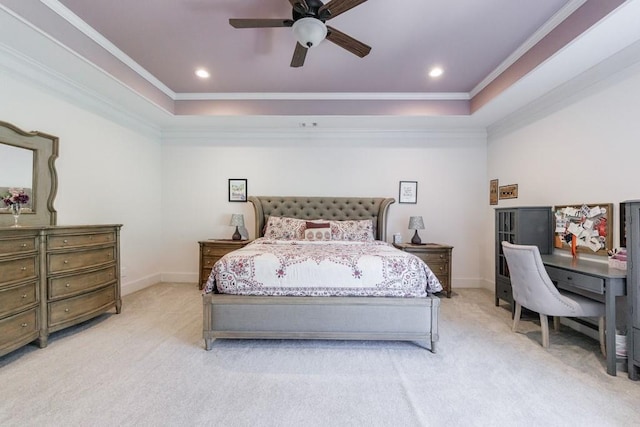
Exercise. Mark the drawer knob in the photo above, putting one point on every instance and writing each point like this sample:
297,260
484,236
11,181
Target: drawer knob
23,269
24,296
66,310
65,241
441,256
24,325
67,285
66,261
24,245
569,278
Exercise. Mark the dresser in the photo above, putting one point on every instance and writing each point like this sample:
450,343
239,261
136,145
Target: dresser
54,277
211,251
437,257
521,226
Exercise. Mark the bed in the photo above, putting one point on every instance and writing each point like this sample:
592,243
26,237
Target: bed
320,317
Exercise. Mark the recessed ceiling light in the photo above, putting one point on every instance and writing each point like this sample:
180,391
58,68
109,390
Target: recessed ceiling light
202,73
436,72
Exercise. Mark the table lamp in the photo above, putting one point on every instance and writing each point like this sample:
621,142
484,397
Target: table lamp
238,221
416,223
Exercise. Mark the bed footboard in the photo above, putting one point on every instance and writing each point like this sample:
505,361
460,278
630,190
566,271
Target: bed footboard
339,318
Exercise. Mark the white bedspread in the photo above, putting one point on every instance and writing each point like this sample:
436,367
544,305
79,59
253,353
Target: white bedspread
312,268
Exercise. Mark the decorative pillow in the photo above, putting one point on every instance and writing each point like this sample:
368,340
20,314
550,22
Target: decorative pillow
317,231
284,228
353,230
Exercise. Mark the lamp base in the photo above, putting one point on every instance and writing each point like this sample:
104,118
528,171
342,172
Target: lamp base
236,235
416,239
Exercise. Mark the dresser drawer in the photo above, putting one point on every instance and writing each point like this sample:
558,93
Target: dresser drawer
441,270
66,241
206,272
209,261
18,245
569,279
433,257
15,298
70,309
22,327
61,262
19,269
68,285
218,250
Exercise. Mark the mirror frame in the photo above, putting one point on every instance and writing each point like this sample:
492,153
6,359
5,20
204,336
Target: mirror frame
45,177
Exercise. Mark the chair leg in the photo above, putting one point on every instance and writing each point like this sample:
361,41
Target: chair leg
601,328
544,323
556,323
516,317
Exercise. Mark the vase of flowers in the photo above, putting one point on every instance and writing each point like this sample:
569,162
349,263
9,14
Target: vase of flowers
14,199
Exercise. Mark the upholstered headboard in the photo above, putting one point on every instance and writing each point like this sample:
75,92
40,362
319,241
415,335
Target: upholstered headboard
330,208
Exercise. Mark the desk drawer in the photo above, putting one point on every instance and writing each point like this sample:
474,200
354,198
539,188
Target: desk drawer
571,279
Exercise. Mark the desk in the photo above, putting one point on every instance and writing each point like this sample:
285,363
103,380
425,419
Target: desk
593,280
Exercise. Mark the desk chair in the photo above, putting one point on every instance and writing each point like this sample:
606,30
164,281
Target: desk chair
534,290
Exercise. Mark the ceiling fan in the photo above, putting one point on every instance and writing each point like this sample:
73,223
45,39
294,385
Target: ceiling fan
309,28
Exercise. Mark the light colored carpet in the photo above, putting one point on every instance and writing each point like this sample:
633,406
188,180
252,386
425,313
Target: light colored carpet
147,367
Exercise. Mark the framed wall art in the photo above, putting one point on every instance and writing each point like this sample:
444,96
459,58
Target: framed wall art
408,192
508,191
493,192
237,190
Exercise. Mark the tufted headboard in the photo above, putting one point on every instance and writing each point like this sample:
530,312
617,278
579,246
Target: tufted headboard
330,208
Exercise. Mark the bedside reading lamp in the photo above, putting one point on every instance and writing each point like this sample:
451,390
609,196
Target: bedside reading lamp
416,223
238,221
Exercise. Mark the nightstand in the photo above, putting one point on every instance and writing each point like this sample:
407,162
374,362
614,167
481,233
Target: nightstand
437,257
211,251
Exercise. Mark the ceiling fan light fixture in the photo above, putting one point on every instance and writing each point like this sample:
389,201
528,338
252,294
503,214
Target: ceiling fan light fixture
309,32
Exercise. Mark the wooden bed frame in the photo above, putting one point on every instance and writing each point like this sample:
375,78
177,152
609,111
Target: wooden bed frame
340,318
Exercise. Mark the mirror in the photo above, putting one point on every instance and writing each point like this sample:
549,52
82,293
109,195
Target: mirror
16,172
28,163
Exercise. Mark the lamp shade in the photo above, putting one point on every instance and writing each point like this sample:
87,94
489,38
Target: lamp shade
416,223
237,220
309,32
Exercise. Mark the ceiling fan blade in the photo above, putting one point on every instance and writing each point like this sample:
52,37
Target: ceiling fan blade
260,23
300,5
299,55
335,7
347,42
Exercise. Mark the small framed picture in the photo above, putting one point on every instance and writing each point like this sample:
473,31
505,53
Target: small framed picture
493,192
408,192
237,190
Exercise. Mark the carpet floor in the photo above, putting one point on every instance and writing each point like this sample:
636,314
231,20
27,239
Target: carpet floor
147,367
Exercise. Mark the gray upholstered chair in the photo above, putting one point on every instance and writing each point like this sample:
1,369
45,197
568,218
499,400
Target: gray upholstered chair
534,290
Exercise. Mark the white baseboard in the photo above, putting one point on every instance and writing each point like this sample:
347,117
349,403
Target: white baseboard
136,285
471,283
180,277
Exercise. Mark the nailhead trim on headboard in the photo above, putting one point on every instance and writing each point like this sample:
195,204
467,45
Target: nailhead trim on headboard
331,208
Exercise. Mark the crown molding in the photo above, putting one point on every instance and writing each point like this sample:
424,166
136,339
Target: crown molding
328,96
552,23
